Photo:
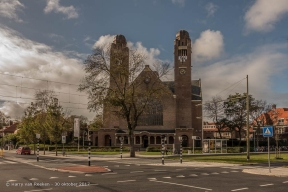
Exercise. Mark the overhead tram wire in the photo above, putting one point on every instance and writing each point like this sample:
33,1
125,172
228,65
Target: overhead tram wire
231,86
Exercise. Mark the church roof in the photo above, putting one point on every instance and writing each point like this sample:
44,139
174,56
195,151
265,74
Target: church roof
195,88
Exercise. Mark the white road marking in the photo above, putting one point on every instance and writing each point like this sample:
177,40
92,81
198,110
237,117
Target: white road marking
39,190
167,177
71,176
151,178
127,165
127,181
239,189
204,174
88,175
53,177
93,184
11,162
11,180
108,173
33,179
136,171
193,175
224,172
105,166
182,185
285,182
160,170
214,173
180,169
180,176
234,171
266,185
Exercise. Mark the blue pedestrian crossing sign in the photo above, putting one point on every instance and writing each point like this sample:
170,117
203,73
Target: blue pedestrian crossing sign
268,131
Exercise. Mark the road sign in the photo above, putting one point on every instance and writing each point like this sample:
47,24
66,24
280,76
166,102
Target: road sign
63,139
268,131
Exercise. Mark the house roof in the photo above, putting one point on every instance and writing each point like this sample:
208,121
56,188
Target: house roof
195,88
10,129
271,117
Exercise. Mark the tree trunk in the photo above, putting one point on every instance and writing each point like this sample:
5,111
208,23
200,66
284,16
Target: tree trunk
239,132
219,131
132,149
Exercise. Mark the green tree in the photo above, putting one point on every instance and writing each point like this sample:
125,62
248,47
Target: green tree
120,90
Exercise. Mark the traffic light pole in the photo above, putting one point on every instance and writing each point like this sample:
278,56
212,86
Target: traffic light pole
247,123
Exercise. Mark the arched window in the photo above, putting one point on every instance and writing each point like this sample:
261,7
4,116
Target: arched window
153,114
158,140
152,140
171,140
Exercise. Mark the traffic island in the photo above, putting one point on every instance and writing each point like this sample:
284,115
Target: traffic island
84,169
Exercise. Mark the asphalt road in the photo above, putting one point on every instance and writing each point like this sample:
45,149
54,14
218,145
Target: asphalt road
129,175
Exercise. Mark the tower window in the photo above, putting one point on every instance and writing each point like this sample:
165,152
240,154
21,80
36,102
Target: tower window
182,43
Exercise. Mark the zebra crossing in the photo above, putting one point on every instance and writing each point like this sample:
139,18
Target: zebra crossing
2,162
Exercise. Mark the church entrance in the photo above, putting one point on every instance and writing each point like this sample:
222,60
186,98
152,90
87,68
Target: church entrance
145,141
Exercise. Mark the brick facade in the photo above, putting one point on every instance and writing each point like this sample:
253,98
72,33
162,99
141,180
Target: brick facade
180,105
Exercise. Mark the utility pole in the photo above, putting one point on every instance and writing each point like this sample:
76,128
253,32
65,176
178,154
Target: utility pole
247,123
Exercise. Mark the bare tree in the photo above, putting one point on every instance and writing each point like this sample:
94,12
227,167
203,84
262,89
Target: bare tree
215,111
258,110
124,89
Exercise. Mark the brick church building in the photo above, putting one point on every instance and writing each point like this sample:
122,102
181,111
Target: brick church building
175,116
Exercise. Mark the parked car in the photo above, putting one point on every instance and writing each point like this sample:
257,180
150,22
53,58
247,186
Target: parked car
23,150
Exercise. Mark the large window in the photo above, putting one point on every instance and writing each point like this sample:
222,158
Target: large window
153,115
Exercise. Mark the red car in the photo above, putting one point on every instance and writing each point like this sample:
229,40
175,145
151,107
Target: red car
23,150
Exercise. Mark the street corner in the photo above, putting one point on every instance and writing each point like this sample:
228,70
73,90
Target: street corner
274,172
84,169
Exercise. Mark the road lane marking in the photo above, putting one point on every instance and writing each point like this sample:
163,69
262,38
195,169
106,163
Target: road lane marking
88,175
160,170
266,185
180,169
239,189
204,174
224,172
33,179
285,182
193,175
53,177
127,181
105,166
136,171
182,185
152,178
108,173
127,165
215,173
180,176
11,162
71,176
167,177
11,180
39,190
234,171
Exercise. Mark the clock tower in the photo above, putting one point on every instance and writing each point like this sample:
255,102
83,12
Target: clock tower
182,74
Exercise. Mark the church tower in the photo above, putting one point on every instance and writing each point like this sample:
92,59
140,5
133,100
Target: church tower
182,74
119,62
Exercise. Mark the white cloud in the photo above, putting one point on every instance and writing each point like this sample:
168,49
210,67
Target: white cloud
211,9
25,58
53,5
179,2
103,41
8,8
208,46
262,65
263,14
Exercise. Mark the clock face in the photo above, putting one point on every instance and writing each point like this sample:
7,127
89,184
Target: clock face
182,71
147,80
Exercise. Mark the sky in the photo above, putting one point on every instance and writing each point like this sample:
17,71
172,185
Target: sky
43,44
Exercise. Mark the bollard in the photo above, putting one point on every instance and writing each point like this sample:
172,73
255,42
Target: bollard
89,154
37,149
